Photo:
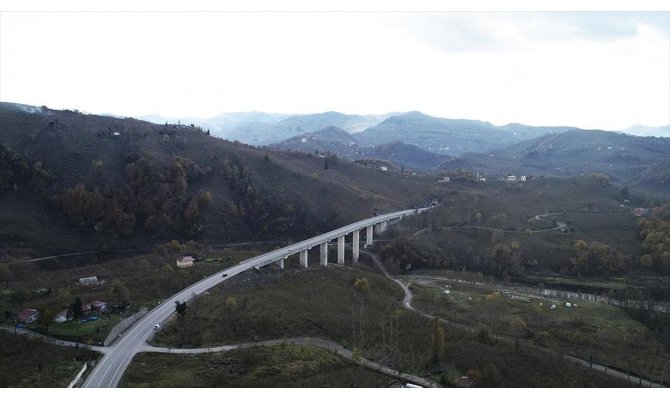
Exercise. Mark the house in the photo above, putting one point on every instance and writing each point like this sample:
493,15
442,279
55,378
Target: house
523,178
28,315
482,179
303,140
446,179
90,280
95,306
185,262
510,178
384,168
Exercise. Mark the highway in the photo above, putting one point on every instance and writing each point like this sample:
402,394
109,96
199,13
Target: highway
110,368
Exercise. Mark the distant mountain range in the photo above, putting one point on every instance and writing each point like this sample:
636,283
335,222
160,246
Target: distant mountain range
449,136
333,140
221,123
452,137
257,128
643,130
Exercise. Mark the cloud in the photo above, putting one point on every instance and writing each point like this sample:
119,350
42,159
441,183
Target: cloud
604,70
505,31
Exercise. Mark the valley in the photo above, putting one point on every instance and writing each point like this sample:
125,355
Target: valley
99,213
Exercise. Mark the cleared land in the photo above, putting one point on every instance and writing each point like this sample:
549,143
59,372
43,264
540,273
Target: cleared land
606,333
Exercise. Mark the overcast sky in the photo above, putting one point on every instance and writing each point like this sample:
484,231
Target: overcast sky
593,70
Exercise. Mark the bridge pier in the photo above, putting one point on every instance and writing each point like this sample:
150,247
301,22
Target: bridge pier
303,258
340,250
368,236
281,263
355,244
382,227
323,247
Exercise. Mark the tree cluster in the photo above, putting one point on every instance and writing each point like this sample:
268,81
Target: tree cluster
403,255
596,259
655,233
15,171
154,198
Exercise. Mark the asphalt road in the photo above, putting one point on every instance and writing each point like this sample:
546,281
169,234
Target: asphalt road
107,373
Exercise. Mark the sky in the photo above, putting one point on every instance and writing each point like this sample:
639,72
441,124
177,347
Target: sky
606,70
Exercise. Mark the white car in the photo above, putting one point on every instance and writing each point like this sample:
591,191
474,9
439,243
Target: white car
157,326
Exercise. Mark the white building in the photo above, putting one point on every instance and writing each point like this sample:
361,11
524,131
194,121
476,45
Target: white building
185,262
90,280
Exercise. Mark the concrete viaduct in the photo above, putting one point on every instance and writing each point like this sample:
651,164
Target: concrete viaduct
378,224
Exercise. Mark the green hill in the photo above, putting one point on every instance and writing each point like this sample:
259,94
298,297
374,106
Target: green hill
639,162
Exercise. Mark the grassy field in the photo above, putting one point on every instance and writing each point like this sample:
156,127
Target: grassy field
93,331
32,363
318,302
287,366
322,302
606,333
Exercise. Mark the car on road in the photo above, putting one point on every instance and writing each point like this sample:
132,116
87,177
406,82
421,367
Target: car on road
224,275
157,326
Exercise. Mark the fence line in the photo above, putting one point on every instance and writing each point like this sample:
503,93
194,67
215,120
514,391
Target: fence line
76,378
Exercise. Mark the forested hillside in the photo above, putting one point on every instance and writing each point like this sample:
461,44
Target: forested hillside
72,181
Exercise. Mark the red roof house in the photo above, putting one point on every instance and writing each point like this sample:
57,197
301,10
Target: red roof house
28,315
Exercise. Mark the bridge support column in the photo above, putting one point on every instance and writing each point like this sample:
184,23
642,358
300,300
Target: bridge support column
355,245
323,247
303,258
381,228
281,263
368,236
340,250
